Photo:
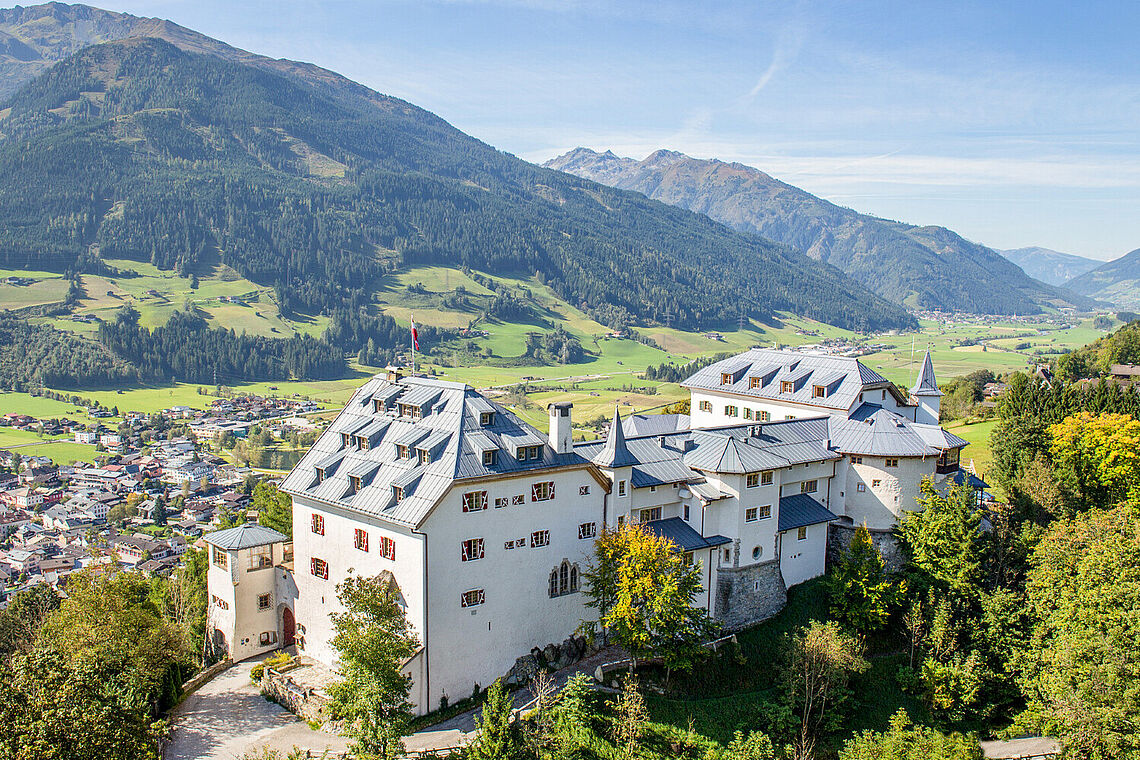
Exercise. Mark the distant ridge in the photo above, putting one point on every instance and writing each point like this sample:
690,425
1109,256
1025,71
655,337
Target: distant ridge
1051,267
1116,281
925,267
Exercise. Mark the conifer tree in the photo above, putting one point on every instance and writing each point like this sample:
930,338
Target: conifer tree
863,595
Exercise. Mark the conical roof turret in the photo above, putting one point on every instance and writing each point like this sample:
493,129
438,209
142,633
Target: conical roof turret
615,453
926,385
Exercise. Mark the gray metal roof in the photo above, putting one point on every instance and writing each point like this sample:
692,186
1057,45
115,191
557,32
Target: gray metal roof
661,473
654,424
449,427
874,431
843,377
683,535
799,510
964,477
926,385
244,536
732,449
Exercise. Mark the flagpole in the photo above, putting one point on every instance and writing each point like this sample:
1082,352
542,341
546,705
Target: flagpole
413,316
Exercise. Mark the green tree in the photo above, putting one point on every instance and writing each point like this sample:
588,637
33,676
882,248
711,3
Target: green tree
497,738
372,641
109,620
630,717
961,672
821,658
1080,671
274,507
21,620
943,540
755,746
158,516
56,707
863,595
905,741
647,589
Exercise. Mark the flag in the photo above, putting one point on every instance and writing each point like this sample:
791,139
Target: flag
415,336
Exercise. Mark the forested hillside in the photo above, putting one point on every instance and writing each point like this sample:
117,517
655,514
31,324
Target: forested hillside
139,150
928,267
34,356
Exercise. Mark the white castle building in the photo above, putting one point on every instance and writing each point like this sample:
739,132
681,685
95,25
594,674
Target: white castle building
485,525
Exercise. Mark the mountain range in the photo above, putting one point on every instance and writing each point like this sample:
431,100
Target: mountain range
926,267
159,144
1052,267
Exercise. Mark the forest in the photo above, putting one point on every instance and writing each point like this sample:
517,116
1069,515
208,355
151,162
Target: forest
186,349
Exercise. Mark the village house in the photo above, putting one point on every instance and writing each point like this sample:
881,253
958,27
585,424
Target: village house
484,525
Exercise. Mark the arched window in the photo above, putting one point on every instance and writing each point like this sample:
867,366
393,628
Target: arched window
564,579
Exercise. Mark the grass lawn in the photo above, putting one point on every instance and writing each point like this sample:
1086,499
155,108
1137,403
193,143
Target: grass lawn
38,406
978,434
61,451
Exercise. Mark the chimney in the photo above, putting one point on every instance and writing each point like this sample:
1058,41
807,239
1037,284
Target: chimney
394,374
561,435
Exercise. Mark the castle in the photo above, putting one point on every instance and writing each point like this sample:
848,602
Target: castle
484,525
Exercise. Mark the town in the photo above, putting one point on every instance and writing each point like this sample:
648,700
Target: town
155,486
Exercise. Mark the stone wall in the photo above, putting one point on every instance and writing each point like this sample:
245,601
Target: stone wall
301,701
747,595
840,535
202,676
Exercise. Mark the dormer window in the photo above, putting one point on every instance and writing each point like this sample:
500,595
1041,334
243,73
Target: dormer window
486,419
361,443
725,378
398,492
353,483
409,410
489,458
818,391
424,455
787,386
754,382
320,474
529,452
403,452
345,440
377,405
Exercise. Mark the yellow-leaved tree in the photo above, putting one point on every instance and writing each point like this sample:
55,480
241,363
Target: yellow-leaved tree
1096,459
643,588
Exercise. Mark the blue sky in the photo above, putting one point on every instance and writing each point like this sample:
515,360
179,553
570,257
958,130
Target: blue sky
1013,123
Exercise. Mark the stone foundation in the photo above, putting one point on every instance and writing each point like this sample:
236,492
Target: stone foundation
840,535
747,595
